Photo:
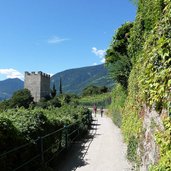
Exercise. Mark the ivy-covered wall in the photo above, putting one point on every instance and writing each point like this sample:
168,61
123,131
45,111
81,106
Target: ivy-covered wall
149,87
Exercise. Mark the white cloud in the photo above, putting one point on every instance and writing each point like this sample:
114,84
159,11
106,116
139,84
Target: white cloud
103,60
56,40
11,73
100,53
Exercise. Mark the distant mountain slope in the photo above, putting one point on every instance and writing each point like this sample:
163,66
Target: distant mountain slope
9,86
75,80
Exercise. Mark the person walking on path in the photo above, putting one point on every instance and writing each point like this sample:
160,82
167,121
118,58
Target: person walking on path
95,109
101,111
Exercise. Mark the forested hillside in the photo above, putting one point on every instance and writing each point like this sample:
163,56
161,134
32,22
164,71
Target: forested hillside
139,58
9,86
75,80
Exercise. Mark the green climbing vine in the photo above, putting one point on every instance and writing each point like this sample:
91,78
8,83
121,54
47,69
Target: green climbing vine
156,77
149,81
150,78
163,139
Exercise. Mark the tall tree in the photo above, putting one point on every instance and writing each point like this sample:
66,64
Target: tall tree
117,59
60,85
53,91
21,98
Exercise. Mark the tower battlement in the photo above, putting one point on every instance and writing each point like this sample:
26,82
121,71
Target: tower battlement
37,73
38,83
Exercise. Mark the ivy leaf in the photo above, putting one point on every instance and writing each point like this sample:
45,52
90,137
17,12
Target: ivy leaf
169,83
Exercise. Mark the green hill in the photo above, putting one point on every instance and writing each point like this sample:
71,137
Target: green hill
9,86
75,80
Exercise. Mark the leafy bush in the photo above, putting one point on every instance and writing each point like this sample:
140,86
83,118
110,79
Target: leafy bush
118,96
94,90
9,137
164,141
20,126
4,105
100,100
21,98
132,149
118,61
31,123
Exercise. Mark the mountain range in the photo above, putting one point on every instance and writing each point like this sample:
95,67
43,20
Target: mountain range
73,81
9,86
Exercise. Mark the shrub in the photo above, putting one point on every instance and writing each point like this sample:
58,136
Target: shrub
116,107
132,149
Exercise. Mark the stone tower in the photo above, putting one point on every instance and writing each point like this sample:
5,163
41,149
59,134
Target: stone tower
38,84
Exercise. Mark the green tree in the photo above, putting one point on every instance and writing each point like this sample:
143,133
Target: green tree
4,105
21,98
118,61
60,86
90,90
55,102
53,91
93,90
64,99
103,89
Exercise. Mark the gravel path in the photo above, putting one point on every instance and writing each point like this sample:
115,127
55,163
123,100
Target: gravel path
103,150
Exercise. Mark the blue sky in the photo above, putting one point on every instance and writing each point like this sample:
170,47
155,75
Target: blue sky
56,35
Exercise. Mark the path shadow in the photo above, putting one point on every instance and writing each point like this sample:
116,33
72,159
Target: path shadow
95,125
74,157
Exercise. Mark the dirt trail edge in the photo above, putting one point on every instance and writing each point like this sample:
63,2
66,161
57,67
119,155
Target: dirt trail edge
102,150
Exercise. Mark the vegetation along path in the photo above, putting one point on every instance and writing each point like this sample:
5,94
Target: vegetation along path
102,150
